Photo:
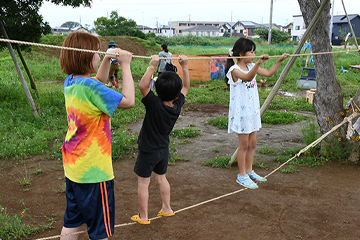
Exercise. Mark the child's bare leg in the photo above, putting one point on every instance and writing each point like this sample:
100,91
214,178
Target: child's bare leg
143,197
165,192
250,152
66,230
241,153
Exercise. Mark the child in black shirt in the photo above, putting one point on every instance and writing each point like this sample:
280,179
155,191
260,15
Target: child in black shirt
162,111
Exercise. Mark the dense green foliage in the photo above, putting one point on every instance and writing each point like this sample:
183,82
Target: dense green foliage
70,24
277,36
23,22
117,26
192,40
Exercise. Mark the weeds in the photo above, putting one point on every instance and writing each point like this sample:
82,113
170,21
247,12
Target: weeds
289,169
185,133
12,228
221,162
220,122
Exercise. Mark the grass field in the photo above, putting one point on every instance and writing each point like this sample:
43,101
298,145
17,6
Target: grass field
23,135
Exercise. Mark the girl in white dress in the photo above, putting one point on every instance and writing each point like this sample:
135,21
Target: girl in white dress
244,109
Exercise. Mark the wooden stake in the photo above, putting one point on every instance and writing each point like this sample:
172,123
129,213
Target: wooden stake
12,53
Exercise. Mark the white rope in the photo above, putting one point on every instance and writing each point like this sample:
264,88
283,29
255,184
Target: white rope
146,57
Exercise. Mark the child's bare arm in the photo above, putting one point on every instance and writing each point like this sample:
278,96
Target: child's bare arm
103,71
128,89
269,72
236,73
185,74
144,84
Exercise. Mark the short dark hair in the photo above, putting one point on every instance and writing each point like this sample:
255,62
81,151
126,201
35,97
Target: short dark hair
76,62
168,86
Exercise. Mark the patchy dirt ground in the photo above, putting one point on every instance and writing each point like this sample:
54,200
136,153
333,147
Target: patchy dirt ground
314,203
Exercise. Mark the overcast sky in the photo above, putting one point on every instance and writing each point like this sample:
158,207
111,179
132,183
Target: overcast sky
149,13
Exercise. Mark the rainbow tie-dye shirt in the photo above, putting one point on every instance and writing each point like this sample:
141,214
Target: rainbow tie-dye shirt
87,146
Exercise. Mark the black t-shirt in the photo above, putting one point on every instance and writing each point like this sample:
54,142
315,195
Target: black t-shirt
158,122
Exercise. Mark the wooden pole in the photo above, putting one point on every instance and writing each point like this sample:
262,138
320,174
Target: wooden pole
32,82
351,29
12,53
288,66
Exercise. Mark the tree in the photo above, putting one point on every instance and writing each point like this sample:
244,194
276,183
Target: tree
226,34
277,36
328,100
70,24
117,26
23,22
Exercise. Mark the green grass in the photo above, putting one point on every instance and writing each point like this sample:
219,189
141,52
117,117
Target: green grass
12,228
272,117
185,133
220,122
22,135
221,162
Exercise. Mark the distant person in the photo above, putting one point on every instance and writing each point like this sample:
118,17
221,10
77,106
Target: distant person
244,108
86,149
114,67
162,111
162,62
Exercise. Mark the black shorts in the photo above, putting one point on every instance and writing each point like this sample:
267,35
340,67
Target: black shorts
148,162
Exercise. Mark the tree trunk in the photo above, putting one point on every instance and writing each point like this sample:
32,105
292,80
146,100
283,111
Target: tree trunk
328,100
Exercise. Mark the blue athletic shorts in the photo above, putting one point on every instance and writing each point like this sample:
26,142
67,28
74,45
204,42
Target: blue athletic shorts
148,162
92,204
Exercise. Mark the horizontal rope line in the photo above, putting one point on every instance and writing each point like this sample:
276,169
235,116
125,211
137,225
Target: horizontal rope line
175,58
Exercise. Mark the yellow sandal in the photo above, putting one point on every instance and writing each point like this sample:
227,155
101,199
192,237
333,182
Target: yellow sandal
136,218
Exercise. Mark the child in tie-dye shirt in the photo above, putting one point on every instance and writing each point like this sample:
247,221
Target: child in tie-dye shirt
87,146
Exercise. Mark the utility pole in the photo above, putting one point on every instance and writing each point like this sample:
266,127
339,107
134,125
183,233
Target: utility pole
270,22
331,22
170,34
231,26
143,22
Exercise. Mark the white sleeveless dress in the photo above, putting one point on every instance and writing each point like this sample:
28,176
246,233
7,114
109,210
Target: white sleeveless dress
244,108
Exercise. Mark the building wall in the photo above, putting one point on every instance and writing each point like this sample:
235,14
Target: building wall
338,28
298,27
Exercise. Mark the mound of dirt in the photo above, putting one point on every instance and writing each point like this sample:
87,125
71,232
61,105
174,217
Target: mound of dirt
135,45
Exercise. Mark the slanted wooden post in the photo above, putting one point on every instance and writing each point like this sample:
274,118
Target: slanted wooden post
288,66
12,53
351,29
32,82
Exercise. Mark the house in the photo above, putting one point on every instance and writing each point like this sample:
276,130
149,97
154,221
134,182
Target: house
60,30
66,30
288,28
179,26
202,31
249,27
341,27
165,31
146,29
274,26
298,27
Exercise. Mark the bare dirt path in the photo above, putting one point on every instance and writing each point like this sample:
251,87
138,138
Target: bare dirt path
314,203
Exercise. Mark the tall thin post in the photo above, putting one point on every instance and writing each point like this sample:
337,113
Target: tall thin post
351,29
331,21
270,22
288,66
12,53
